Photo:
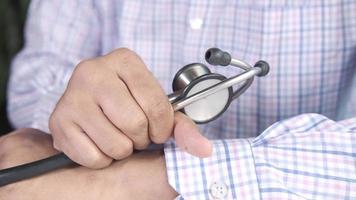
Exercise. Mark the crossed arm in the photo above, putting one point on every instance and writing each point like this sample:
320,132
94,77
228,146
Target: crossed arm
141,176
308,149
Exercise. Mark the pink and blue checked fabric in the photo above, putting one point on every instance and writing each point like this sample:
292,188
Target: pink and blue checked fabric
304,157
265,145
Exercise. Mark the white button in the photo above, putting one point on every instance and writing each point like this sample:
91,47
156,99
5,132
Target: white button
196,23
218,190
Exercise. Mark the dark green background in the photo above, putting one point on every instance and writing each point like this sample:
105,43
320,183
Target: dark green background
12,18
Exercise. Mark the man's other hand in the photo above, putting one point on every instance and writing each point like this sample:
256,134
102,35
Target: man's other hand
142,176
112,105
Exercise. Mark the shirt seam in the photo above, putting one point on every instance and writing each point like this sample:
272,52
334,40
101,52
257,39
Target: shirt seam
254,163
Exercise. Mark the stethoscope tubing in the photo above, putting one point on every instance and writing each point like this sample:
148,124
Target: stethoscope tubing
33,169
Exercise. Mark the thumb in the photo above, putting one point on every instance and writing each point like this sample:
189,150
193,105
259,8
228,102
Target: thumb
188,137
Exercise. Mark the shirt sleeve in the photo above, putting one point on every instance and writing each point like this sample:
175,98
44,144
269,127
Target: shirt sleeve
305,157
57,36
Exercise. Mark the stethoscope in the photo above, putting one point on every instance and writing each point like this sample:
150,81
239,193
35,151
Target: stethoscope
197,92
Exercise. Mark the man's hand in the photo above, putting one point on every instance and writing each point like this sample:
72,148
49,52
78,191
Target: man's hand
112,105
142,176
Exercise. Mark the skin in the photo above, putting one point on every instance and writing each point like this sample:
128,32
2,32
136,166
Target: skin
113,105
141,176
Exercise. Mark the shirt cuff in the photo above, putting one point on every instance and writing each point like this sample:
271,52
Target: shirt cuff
228,174
48,100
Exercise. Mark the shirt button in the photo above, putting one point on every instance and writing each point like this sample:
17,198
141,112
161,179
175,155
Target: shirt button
196,24
218,190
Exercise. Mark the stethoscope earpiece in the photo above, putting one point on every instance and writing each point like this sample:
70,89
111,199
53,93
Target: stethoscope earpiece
264,66
216,56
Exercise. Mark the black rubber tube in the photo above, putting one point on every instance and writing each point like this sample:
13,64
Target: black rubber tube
29,170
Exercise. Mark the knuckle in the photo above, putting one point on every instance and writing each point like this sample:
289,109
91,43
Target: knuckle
70,105
159,139
161,113
124,150
97,161
86,72
139,125
160,110
83,67
52,122
123,53
142,144
125,57
84,64
58,144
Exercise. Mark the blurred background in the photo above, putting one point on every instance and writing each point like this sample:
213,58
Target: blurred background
12,18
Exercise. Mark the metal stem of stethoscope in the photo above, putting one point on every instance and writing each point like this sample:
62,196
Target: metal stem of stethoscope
241,64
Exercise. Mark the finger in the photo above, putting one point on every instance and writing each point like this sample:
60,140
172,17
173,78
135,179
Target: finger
104,134
122,110
147,92
188,137
73,141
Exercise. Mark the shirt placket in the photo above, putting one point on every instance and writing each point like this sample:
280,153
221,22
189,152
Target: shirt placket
196,22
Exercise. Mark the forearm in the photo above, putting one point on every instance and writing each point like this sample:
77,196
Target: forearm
109,183
142,176
26,145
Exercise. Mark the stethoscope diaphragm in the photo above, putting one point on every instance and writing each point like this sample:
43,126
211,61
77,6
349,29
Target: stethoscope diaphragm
196,77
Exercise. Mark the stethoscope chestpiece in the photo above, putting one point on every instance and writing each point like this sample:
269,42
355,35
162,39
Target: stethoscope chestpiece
203,95
194,78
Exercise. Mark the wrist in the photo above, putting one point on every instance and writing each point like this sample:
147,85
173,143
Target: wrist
143,175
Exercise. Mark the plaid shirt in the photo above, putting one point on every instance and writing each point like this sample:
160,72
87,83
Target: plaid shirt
310,45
